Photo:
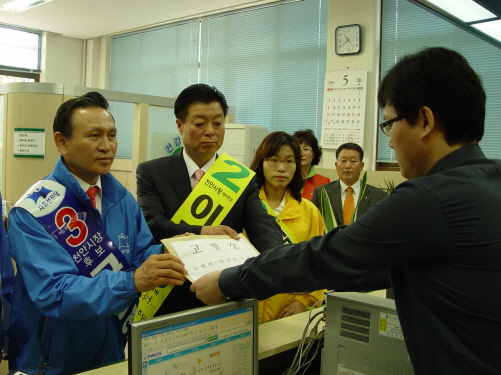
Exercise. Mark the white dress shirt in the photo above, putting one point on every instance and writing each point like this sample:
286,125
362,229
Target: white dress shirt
356,191
85,186
193,167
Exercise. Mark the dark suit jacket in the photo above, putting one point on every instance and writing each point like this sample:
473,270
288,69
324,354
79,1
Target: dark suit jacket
163,185
371,197
375,281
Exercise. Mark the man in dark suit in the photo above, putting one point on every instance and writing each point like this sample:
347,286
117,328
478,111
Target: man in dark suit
349,165
164,184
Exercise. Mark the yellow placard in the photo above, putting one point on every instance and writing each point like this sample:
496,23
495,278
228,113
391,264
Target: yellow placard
215,194
208,204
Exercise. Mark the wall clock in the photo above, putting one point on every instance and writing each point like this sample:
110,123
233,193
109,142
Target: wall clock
348,39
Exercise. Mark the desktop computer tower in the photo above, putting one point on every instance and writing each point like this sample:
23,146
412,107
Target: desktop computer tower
363,337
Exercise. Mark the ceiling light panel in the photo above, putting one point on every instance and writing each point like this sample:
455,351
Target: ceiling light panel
20,5
491,28
465,10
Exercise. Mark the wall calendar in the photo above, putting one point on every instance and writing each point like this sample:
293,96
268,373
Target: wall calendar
343,116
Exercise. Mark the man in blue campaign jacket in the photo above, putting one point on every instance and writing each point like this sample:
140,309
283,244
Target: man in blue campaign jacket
75,283
7,280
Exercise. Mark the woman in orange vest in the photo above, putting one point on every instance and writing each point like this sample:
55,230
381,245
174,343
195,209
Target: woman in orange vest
310,156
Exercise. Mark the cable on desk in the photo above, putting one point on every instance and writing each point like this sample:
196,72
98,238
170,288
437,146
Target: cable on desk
314,339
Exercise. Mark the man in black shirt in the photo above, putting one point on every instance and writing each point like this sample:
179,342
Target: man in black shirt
438,233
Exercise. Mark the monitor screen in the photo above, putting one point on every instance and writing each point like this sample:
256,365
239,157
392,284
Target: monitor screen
213,340
363,336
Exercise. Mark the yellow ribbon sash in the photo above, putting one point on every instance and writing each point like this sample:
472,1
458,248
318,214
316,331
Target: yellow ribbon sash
287,235
208,204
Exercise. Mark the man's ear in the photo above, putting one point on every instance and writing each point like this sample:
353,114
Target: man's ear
60,140
427,120
179,126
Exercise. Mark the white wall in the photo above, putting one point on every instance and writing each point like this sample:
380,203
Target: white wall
62,59
97,67
366,13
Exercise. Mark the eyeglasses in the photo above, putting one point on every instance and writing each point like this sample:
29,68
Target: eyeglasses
306,149
272,162
386,126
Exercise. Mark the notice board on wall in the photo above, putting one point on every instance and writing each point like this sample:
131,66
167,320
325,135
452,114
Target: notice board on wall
343,116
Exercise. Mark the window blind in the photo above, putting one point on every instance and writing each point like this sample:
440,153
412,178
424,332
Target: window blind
270,63
268,60
160,61
408,28
20,50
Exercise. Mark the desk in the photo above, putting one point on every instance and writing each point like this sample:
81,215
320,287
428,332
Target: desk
274,337
280,335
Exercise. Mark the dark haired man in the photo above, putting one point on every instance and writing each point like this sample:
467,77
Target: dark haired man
83,252
437,233
349,165
164,184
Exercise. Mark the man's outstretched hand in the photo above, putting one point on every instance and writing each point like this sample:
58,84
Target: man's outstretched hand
207,289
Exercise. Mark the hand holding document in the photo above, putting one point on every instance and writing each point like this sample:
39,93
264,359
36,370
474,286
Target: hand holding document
204,254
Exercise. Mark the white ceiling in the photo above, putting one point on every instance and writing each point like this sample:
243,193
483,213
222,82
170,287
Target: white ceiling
86,19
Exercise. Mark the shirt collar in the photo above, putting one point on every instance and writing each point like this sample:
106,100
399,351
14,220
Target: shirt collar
192,166
85,186
312,172
355,186
457,157
280,208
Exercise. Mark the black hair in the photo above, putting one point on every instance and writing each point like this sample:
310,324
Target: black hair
198,93
443,80
307,136
62,121
271,146
350,146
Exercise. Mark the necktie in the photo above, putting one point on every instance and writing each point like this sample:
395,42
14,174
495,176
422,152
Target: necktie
349,205
91,192
198,176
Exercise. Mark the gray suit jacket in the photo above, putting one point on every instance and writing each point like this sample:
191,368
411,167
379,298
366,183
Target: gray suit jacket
371,197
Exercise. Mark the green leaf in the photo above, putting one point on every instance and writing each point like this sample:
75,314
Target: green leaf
390,186
326,211
363,186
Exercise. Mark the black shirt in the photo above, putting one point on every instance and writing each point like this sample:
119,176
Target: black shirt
440,236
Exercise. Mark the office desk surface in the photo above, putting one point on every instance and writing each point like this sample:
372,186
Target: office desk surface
274,337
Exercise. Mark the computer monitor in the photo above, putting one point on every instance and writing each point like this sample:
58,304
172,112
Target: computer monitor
363,336
212,340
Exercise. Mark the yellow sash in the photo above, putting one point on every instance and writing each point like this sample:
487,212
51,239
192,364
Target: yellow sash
287,235
208,204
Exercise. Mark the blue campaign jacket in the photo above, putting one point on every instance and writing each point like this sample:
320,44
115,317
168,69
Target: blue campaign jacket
7,279
62,320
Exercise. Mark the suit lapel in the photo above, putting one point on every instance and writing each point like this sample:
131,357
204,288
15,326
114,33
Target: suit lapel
337,205
364,203
181,181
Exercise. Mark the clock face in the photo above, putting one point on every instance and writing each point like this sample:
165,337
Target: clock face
348,39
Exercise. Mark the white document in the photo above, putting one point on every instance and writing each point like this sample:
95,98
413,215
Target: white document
204,254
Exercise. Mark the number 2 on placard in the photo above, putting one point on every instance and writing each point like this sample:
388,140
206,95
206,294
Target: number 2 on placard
224,177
